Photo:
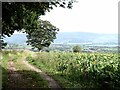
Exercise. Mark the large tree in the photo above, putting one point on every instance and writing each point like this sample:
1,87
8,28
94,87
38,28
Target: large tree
42,36
24,15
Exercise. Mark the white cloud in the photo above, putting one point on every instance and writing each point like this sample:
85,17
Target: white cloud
100,16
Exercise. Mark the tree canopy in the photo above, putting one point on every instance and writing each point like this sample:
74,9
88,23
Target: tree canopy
43,36
24,15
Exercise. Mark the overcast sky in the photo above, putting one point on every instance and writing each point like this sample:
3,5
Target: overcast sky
98,16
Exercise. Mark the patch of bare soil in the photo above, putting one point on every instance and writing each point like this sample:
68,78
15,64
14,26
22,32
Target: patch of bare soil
51,82
15,79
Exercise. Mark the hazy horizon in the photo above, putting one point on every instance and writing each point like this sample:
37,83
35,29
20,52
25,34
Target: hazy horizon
71,32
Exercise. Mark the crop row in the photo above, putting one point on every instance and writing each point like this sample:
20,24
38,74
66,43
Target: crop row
87,69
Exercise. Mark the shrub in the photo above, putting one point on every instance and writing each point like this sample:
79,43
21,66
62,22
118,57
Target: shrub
76,48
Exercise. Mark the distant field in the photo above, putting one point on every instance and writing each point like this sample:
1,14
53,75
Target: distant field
68,47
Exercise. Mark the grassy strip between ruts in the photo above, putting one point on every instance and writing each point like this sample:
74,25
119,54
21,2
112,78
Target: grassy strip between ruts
34,78
35,81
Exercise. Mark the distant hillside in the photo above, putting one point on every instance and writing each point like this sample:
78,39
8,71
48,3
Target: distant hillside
17,39
70,37
83,37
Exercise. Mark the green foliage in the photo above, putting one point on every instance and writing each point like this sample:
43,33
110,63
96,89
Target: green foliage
76,48
43,36
88,70
24,15
2,43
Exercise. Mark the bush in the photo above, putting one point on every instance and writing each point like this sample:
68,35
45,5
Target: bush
76,48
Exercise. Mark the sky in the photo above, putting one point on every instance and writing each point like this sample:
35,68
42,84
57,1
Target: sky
96,16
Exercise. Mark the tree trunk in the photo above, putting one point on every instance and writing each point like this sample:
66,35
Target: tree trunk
39,50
